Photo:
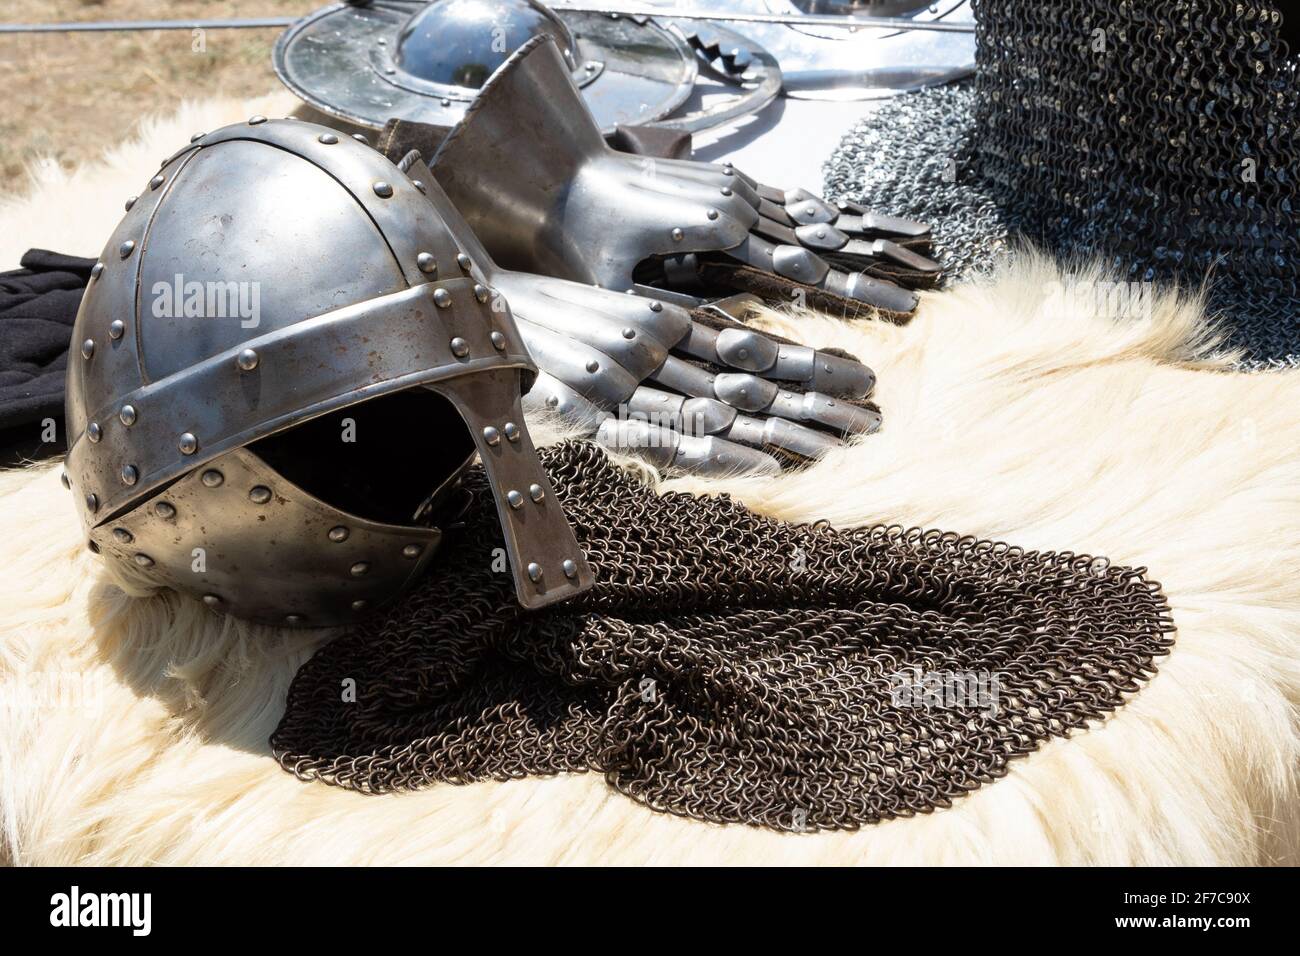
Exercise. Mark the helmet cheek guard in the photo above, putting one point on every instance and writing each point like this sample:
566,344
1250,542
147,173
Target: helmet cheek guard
274,282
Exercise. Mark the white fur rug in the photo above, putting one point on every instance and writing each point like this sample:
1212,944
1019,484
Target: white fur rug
134,730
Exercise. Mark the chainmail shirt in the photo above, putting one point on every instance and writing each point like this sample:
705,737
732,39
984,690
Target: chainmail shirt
1162,137
726,666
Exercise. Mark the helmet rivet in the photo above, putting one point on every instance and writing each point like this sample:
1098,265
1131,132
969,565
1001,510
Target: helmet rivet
127,415
256,120
570,568
329,139
464,262
726,190
418,185
339,533
593,366
293,619
211,600
480,292
165,510
678,235
246,360
427,263
67,482
123,536
712,214
534,571
492,436
459,347
360,568
498,341
360,604
96,269
130,201
157,181
259,494
126,248
412,551
382,189
144,561
212,478
361,139
196,137
511,430
88,348
442,299
130,474
515,499
728,171
552,401
629,333
94,432
535,492
116,329
187,443
92,502
445,101
656,306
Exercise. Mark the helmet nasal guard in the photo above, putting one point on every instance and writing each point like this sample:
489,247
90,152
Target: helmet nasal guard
282,364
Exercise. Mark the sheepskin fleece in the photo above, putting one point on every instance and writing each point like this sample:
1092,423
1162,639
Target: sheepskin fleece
134,730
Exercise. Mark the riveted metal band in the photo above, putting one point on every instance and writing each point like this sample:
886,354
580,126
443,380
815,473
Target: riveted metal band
304,370
547,563
195,538
110,297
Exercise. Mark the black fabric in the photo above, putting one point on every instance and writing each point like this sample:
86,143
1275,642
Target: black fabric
38,304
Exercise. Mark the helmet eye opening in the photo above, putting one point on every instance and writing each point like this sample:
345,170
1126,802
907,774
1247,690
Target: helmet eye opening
380,460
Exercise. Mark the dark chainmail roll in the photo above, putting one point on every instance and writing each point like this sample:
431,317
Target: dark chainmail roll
726,666
1163,138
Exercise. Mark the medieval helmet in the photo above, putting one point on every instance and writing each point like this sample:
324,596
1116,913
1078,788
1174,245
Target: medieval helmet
283,362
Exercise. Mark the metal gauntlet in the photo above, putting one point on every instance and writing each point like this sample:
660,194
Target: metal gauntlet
688,389
531,173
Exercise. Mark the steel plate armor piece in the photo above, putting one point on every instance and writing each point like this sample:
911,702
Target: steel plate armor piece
528,168
284,373
688,390
368,62
848,62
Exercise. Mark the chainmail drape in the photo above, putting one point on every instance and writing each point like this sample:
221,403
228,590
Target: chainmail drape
726,666
1161,137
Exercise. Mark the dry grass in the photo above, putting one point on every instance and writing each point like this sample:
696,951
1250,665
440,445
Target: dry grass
71,95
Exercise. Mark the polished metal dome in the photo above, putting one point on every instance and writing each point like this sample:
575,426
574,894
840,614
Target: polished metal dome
462,42
369,61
